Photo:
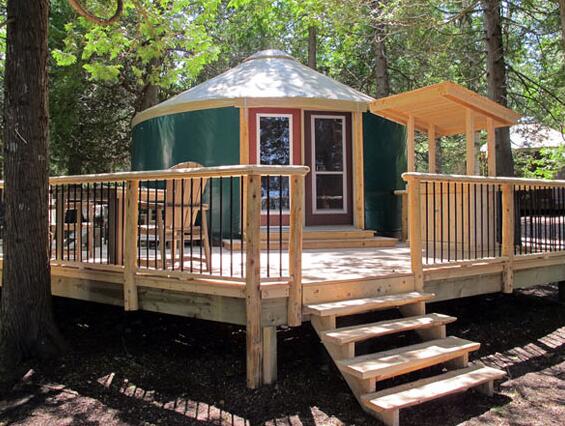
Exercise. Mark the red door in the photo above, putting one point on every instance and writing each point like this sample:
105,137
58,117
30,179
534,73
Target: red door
274,139
327,151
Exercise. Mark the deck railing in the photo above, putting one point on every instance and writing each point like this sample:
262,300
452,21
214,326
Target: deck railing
470,218
201,223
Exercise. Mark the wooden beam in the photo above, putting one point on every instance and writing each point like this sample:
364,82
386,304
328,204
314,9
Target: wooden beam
415,230
432,149
491,147
507,236
254,330
167,174
244,135
470,140
425,95
269,355
131,299
358,181
296,227
411,144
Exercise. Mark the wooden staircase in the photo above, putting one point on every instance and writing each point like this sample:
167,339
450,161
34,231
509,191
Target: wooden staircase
362,373
321,238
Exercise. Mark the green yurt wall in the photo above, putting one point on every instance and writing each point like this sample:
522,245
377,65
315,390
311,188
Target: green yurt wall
209,137
384,157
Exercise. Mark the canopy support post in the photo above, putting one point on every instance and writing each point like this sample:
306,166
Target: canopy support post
432,149
411,143
470,140
491,147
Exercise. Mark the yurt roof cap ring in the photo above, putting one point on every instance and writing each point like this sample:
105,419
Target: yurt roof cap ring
269,78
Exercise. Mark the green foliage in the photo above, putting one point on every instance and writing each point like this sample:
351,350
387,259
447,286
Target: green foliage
545,163
99,76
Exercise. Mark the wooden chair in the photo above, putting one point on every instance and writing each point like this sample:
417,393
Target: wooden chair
174,224
71,221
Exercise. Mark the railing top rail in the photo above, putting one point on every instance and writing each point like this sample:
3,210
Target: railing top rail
216,171
430,177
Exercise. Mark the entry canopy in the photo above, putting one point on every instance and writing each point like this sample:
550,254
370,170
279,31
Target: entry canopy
269,78
444,106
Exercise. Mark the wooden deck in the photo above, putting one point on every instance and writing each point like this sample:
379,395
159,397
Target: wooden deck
447,255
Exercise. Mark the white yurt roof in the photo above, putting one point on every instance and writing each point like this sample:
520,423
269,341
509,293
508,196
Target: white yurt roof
267,78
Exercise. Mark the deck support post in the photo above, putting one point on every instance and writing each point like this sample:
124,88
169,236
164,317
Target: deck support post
296,226
254,330
508,236
415,233
561,286
269,355
131,300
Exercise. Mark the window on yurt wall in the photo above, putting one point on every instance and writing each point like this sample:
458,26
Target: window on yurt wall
275,148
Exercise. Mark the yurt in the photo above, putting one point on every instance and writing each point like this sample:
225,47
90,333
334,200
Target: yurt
271,109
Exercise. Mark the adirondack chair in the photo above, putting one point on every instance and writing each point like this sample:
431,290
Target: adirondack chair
174,225
77,227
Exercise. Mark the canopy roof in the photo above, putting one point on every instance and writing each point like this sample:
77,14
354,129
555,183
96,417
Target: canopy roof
444,106
267,78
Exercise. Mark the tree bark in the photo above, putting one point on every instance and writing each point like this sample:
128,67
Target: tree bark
27,327
312,47
497,80
382,80
148,97
562,14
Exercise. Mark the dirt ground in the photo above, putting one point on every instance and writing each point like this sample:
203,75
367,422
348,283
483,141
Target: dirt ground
143,369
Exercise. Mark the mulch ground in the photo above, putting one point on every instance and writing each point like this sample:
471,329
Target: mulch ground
142,368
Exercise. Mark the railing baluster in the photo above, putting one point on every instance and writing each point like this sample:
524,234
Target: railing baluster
441,214
182,216
221,207
268,205
231,226
192,223
427,225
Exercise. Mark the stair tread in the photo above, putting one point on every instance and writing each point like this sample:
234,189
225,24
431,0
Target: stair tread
353,306
358,333
387,364
423,390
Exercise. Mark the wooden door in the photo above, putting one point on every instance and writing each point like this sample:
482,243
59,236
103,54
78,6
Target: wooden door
327,149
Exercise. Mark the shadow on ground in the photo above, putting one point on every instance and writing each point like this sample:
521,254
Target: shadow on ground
144,368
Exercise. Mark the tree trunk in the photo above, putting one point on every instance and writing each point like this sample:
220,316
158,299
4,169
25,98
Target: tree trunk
496,77
562,14
148,97
312,40
27,328
381,63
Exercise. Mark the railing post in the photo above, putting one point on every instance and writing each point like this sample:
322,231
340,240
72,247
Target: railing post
131,301
415,233
296,226
508,236
254,331
60,223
